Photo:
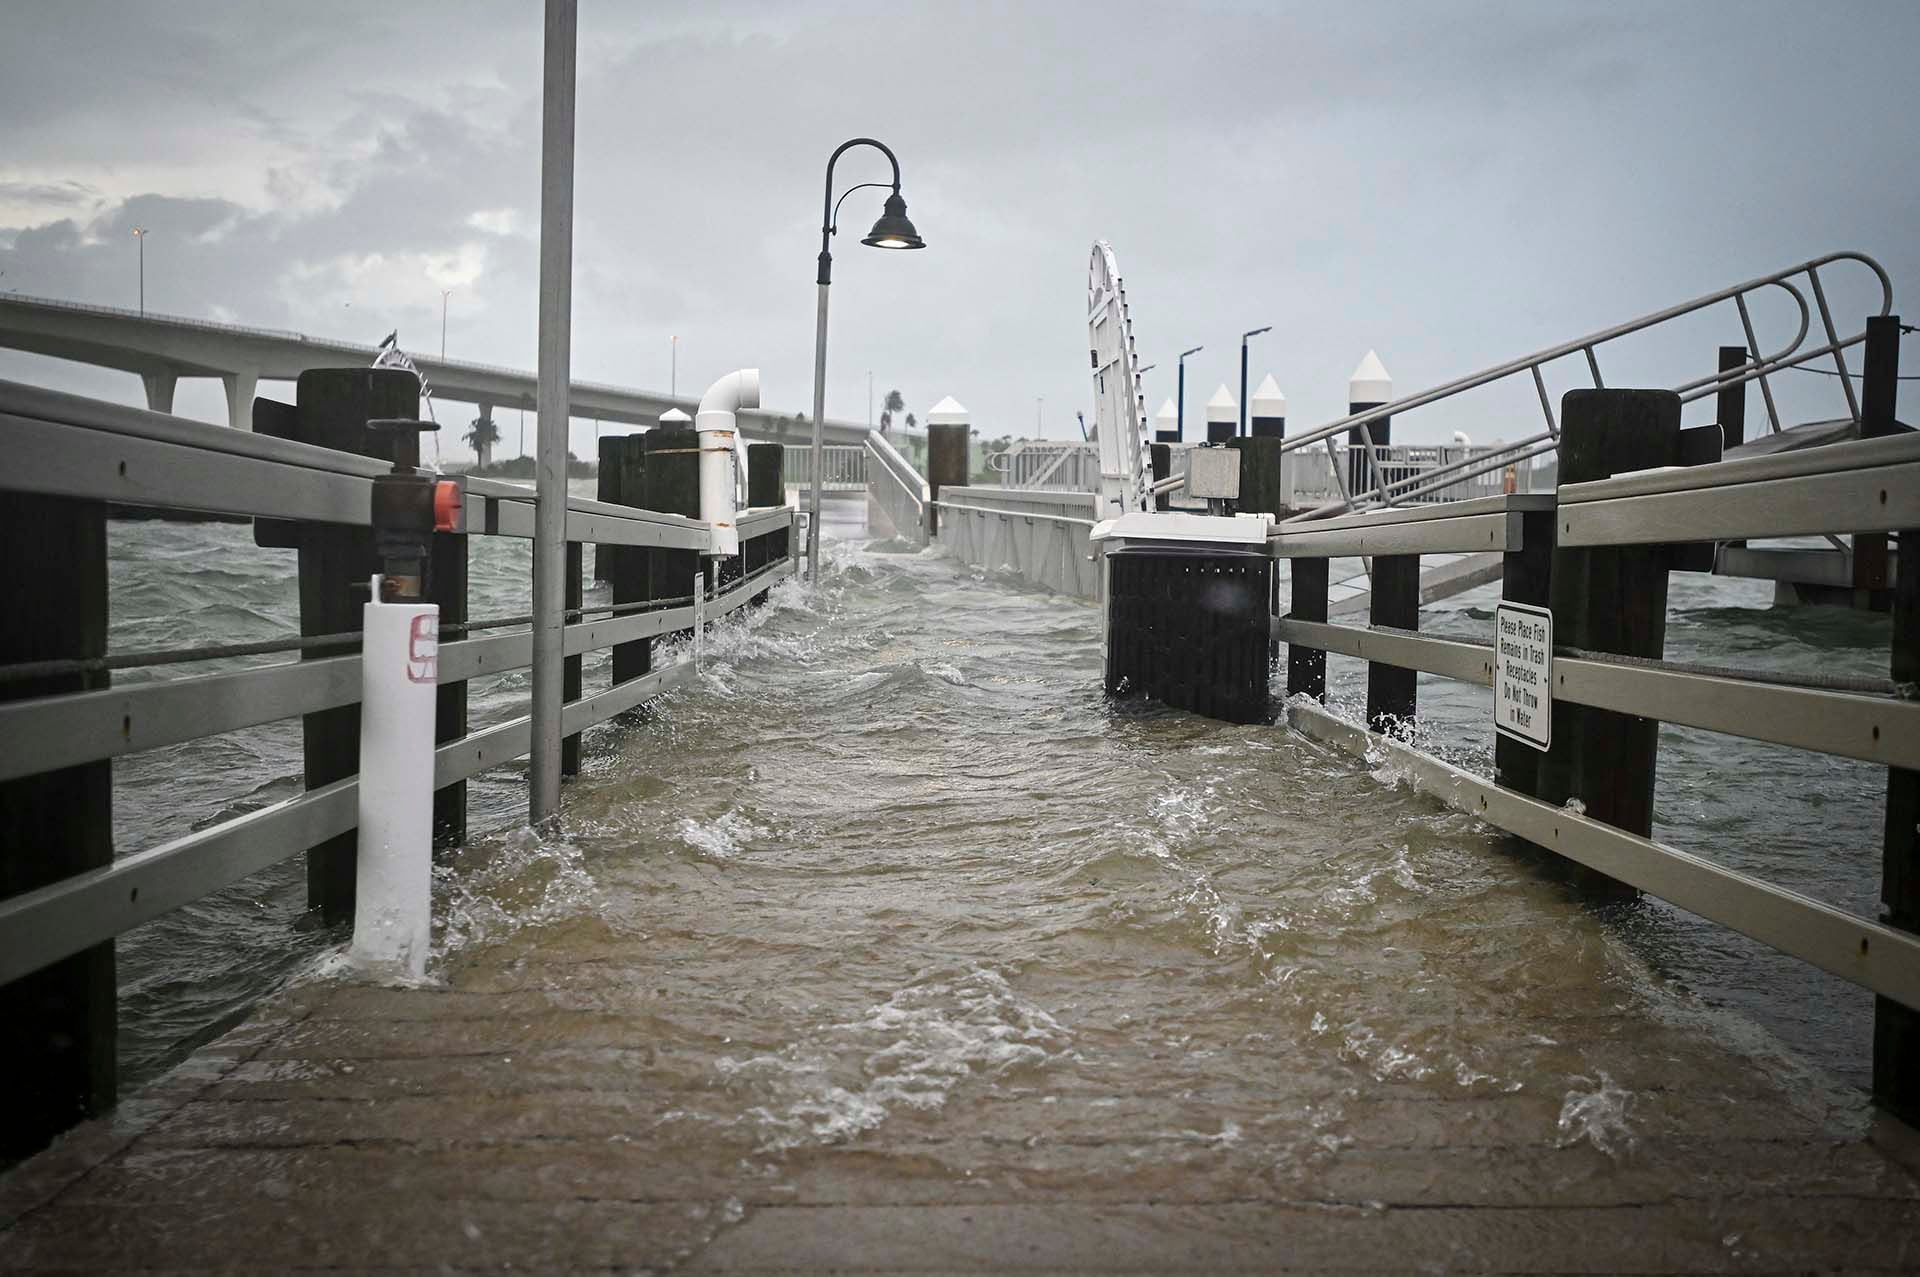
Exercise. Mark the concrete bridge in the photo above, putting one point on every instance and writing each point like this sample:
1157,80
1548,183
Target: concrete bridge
164,348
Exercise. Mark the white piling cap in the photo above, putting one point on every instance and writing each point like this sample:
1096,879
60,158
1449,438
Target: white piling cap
1267,401
948,412
674,417
1370,382
1168,413
1223,406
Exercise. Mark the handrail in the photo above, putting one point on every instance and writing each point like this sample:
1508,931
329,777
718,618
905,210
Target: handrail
1014,514
899,467
1756,368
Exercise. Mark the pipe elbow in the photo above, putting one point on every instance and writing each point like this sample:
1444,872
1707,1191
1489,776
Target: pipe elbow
733,392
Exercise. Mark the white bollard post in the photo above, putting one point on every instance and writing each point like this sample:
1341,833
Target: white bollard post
1223,415
400,670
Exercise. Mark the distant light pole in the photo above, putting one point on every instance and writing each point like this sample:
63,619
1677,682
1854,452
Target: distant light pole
673,373
1180,409
1040,417
893,230
140,234
1252,332
869,398
444,294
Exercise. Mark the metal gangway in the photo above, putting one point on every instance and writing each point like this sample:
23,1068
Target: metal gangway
843,467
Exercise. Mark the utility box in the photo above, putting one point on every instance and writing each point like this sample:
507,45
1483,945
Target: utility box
1214,474
1187,613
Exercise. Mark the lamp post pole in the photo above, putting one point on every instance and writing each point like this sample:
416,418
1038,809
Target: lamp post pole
1241,429
893,230
1180,404
140,236
673,372
444,294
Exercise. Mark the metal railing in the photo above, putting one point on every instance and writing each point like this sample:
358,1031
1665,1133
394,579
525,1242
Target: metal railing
66,446
1870,486
1759,367
1039,463
1041,536
897,488
843,467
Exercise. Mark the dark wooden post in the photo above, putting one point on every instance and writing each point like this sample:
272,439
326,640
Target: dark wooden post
1610,599
61,1020
767,487
1394,601
1896,1028
607,488
570,685
1260,462
447,586
626,572
1307,666
1223,416
949,445
1878,387
672,487
1730,403
1369,387
331,409
1162,456
1267,411
1526,576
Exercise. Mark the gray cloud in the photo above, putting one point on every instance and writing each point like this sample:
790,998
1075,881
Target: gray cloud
1450,185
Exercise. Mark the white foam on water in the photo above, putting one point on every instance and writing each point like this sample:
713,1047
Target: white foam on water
721,837
914,1050
1598,1116
501,885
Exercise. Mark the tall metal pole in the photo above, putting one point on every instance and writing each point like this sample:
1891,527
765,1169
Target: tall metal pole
1241,429
140,237
673,375
444,294
550,469
819,413
1180,407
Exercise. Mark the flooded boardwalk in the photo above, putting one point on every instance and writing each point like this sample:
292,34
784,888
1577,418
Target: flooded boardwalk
895,946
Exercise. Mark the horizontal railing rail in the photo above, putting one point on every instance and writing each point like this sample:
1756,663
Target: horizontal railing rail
1846,488
67,446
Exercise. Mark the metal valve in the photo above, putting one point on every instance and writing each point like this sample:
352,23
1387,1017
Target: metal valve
403,516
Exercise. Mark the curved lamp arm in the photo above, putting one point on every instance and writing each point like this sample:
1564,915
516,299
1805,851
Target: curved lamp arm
827,207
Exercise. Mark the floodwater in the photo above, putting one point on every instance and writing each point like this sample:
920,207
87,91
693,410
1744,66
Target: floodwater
895,859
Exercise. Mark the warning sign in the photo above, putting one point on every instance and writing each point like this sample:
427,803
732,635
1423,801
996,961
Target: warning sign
1523,673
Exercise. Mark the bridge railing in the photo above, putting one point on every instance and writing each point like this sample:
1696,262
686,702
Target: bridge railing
843,467
1039,534
1587,795
62,713
897,488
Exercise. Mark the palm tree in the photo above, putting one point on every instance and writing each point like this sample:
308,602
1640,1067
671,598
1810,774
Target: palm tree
483,435
910,421
892,404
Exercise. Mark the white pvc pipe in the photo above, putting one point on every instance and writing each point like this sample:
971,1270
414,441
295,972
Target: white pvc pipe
400,671
718,435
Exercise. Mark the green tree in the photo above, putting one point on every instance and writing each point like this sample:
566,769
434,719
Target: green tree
482,435
891,404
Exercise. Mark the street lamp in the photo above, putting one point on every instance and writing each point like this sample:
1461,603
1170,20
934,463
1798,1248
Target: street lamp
1180,412
893,230
1252,332
140,234
444,294
673,373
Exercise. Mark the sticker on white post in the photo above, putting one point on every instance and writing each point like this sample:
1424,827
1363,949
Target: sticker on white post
1523,673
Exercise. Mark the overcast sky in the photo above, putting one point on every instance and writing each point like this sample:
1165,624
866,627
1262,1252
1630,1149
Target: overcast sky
1452,184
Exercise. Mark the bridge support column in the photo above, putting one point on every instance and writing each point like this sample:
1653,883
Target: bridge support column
1610,599
240,391
59,1021
159,387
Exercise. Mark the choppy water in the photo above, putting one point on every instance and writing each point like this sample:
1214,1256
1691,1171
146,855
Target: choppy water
896,855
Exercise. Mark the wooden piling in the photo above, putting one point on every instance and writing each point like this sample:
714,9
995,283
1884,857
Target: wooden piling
1730,402
1609,599
949,445
1162,457
607,477
61,1020
1879,385
1261,459
767,487
672,481
626,573
1394,600
331,409
1896,1028
1307,666
570,684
